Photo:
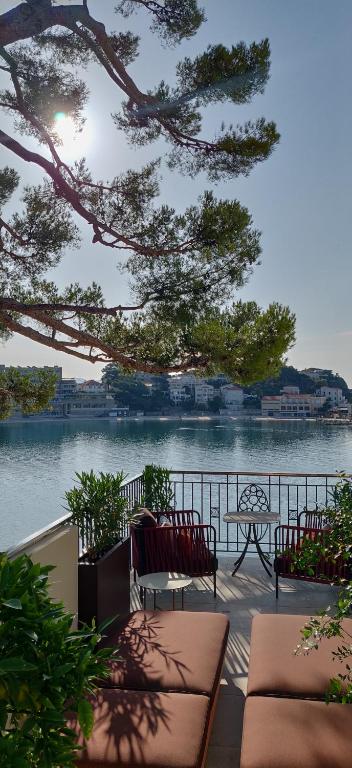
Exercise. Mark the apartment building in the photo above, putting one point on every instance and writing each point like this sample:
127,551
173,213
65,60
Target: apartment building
292,404
181,388
203,393
334,394
232,396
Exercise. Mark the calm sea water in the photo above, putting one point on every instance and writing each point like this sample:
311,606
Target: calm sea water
38,460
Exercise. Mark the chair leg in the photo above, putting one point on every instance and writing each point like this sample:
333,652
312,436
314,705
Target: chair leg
277,586
215,585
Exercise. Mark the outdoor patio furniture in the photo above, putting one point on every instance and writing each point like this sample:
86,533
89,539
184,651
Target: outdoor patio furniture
179,651
157,708
253,513
291,733
170,582
188,548
287,723
289,539
275,670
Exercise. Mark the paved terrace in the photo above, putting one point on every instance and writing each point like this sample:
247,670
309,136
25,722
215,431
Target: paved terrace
251,591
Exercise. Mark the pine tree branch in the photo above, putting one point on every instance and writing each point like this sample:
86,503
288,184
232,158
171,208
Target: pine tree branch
107,352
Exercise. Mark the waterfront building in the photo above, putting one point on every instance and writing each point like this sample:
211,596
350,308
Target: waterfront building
203,393
91,386
181,388
334,394
80,399
292,404
232,396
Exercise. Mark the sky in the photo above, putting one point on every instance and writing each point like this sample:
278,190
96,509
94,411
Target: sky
300,198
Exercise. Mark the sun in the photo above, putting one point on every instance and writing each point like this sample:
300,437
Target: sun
74,143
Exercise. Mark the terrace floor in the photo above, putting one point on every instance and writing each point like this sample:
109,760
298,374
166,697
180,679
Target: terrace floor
251,591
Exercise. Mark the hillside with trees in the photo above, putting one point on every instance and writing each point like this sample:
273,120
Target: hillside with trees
290,376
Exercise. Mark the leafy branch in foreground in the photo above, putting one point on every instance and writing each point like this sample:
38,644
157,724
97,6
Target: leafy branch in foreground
329,624
27,392
183,266
46,670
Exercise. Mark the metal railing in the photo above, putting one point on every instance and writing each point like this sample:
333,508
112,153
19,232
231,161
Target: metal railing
132,490
214,494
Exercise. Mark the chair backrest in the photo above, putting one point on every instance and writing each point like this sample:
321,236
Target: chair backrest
180,549
311,518
290,539
253,499
180,517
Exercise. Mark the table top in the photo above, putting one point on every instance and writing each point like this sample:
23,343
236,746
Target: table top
164,580
259,518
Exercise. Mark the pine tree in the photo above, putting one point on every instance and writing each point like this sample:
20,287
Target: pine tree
183,266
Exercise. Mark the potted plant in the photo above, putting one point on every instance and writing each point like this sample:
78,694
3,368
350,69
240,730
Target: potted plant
100,511
157,489
45,668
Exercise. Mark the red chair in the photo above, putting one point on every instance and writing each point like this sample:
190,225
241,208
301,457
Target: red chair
180,546
289,539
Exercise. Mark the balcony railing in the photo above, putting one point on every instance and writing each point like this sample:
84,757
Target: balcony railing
214,494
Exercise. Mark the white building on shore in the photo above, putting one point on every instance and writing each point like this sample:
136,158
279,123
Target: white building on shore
203,392
232,396
292,404
181,388
334,394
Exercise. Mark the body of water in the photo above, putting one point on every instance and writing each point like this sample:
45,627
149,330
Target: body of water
38,460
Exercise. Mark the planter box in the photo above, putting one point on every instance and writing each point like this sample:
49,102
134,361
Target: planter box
104,586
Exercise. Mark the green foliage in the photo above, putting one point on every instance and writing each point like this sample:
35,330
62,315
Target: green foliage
157,488
173,20
99,509
329,623
27,392
221,73
290,376
337,539
9,181
244,342
46,668
35,239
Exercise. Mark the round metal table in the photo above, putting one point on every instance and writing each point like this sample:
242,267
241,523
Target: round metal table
253,520
164,581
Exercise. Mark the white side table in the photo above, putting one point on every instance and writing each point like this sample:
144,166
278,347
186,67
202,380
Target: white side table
164,581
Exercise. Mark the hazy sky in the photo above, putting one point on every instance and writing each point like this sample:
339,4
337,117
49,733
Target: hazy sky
300,198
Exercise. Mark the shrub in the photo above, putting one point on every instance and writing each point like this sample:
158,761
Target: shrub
327,624
45,668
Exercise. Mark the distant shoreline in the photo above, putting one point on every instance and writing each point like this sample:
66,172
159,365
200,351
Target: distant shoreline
37,419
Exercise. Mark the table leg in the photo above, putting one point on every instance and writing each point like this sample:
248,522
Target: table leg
182,600
154,599
263,557
144,598
238,562
173,599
